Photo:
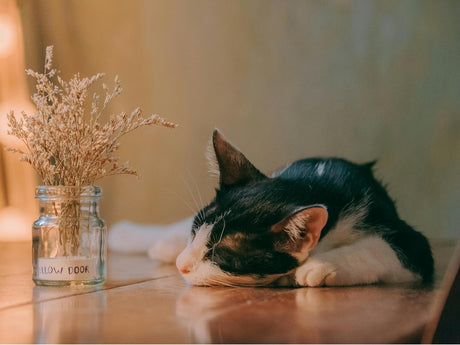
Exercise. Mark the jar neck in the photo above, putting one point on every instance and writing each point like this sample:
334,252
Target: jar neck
60,201
69,208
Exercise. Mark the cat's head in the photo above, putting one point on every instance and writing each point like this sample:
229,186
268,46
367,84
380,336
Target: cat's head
254,231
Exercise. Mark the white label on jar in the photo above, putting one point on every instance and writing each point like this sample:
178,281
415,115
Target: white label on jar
66,269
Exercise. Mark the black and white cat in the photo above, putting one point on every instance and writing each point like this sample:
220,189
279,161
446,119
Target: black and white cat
317,222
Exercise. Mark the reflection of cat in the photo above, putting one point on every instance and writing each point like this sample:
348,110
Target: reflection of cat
317,222
261,315
222,315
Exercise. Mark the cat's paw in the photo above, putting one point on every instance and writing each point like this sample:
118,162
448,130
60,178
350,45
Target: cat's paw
316,273
167,250
127,237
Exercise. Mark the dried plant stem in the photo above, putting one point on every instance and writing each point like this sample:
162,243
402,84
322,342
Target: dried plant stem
69,228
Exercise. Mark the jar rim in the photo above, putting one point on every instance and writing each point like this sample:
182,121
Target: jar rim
68,191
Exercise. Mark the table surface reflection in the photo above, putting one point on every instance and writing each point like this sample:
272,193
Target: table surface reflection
145,302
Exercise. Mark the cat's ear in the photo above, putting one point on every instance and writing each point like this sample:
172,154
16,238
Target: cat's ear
232,167
304,225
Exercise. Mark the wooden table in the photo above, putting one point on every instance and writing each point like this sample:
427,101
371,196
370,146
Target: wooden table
145,302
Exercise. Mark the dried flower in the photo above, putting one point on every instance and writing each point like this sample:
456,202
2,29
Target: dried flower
66,142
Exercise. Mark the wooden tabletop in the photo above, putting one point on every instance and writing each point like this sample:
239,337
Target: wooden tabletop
145,302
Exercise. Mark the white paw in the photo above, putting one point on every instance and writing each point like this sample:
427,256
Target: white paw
127,237
317,273
163,242
167,250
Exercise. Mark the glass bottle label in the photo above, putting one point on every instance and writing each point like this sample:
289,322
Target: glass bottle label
66,269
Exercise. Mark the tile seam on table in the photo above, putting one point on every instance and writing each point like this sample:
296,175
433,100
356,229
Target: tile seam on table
132,283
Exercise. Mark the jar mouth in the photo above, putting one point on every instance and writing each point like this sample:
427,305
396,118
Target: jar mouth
68,192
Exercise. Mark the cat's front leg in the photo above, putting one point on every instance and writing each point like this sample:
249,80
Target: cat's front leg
329,270
367,261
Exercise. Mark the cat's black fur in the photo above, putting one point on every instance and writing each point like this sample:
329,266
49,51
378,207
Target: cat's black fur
246,196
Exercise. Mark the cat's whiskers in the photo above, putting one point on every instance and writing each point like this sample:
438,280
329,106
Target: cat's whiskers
198,208
221,217
187,186
220,239
181,198
225,282
222,282
197,189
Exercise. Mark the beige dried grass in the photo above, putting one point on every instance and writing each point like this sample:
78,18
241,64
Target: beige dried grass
67,142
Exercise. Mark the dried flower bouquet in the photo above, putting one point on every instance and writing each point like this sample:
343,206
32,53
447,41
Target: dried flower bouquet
67,141
67,146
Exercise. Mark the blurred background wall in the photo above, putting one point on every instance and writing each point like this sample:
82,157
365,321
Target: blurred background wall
283,80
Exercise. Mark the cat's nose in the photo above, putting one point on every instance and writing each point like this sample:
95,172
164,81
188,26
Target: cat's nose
183,263
183,270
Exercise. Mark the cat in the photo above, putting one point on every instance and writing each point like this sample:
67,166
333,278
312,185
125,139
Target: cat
317,222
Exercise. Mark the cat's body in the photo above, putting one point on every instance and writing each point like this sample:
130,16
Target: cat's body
316,222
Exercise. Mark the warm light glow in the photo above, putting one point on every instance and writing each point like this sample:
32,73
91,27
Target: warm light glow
7,36
14,225
17,179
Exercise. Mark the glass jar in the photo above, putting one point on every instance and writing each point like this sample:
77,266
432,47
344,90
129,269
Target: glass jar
69,239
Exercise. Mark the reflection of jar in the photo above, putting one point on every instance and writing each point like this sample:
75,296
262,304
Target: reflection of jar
69,238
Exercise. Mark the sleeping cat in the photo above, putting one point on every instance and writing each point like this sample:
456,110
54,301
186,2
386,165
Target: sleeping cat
317,222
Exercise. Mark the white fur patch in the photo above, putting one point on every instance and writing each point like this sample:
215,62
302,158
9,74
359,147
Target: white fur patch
344,233
320,168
